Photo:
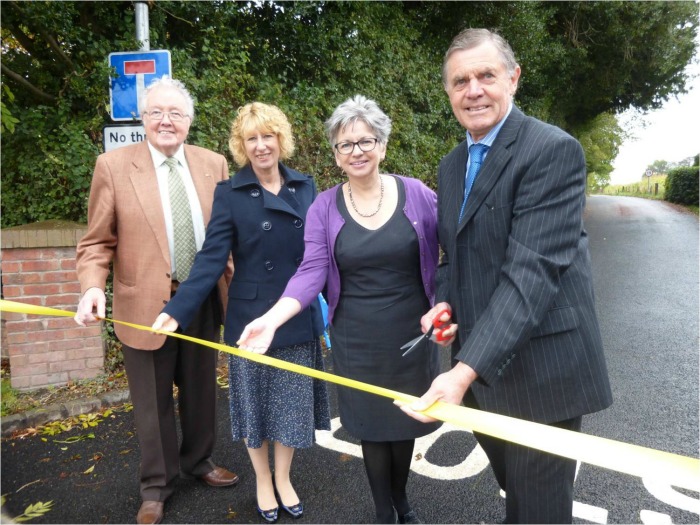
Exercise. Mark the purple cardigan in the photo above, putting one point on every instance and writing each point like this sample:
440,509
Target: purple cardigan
323,223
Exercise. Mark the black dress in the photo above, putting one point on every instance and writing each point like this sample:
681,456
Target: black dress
381,302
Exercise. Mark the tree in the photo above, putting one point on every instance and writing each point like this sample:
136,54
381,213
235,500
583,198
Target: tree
52,55
659,166
55,60
580,60
620,55
601,139
7,123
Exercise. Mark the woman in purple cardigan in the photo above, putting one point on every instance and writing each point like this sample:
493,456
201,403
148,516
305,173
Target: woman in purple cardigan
371,242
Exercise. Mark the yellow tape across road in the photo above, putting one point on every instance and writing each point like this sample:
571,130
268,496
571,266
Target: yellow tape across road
674,469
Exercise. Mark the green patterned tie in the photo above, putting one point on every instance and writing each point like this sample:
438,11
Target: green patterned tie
183,231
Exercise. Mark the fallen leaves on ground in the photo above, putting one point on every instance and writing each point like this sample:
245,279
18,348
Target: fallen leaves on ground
84,421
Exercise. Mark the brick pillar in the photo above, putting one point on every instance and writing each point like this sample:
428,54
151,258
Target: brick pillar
38,267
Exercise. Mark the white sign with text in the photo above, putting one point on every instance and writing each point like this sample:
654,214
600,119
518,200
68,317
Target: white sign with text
117,136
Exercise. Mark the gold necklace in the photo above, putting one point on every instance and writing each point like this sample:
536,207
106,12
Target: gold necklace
379,206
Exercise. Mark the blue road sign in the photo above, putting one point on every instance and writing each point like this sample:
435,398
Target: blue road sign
135,70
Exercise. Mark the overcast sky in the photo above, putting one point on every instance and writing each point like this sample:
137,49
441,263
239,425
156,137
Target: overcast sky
671,134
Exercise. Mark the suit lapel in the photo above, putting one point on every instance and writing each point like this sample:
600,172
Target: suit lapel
498,157
203,180
145,183
455,180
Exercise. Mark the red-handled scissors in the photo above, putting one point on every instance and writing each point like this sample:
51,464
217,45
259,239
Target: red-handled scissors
435,333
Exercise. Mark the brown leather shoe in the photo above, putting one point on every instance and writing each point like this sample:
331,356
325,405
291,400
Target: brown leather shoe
219,477
150,512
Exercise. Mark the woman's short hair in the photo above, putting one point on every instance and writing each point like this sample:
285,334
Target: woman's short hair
359,108
166,81
258,117
470,38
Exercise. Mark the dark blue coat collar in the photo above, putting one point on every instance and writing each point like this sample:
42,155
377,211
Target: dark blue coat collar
295,183
246,177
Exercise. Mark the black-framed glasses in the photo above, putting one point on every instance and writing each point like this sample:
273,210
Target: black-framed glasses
347,147
157,114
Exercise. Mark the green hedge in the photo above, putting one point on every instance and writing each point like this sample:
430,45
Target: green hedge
682,185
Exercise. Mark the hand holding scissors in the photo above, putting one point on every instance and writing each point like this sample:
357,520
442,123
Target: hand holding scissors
436,332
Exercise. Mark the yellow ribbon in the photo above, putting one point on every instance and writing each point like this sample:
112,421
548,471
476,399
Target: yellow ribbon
674,469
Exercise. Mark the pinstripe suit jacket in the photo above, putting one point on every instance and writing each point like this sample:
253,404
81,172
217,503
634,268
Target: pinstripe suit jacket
516,271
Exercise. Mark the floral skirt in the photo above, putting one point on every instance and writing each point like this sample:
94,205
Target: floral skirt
267,403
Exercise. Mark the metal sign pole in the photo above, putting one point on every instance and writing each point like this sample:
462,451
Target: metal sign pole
141,13
141,9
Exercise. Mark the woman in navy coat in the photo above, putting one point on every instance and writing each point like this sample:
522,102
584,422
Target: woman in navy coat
258,217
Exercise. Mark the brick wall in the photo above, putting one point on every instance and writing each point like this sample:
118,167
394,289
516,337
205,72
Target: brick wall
38,267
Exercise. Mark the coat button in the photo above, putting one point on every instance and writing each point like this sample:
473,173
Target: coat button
299,260
298,223
292,189
255,193
269,266
266,225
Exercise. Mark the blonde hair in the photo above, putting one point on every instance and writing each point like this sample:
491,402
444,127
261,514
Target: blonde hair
255,117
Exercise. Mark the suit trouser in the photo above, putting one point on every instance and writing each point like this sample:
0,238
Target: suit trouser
151,375
539,486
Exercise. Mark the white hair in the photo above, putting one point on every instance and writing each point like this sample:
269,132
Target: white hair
359,108
166,81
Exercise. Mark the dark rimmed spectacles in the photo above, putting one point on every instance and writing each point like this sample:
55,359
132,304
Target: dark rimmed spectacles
346,148
157,114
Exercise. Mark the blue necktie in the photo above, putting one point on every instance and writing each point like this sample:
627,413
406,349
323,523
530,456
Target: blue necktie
476,156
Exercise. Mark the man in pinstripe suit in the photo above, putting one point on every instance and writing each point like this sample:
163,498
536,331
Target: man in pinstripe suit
516,275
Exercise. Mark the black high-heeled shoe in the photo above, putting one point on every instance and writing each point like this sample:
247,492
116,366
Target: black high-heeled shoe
410,517
270,516
295,511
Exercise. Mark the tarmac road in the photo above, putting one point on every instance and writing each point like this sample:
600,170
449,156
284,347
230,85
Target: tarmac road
332,484
645,261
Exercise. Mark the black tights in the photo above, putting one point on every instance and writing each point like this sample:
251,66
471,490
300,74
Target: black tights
387,464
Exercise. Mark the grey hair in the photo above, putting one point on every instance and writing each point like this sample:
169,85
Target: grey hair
166,81
359,108
470,38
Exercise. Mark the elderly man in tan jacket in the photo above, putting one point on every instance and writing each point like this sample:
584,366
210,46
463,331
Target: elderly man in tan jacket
148,209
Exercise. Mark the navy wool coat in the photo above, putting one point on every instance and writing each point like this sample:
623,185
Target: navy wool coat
265,235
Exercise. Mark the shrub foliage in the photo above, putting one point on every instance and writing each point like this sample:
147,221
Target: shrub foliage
579,60
682,185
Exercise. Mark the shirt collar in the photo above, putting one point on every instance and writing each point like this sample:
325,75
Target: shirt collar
491,135
159,158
